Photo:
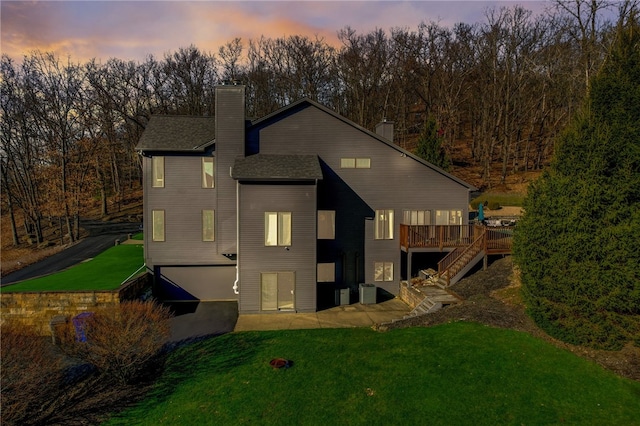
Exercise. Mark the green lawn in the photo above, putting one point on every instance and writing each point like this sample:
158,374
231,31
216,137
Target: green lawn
104,272
499,199
453,374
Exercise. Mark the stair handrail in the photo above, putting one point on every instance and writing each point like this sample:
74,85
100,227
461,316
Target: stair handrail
448,262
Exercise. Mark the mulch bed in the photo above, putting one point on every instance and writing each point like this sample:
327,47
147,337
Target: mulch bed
492,298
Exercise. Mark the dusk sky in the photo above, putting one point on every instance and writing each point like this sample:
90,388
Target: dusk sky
135,29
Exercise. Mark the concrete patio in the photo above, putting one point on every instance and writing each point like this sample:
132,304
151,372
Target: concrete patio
346,316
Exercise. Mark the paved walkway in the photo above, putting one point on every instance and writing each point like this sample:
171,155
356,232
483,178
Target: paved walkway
354,315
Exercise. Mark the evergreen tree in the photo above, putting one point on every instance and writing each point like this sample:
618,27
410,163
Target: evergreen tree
578,243
430,146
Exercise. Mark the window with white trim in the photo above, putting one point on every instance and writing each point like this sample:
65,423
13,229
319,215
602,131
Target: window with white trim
208,225
448,217
208,171
277,228
383,271
157,229
355,163
326,224
416,217
384,225
157,170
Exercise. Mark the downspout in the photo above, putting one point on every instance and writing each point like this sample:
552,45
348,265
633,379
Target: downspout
130,276
235,284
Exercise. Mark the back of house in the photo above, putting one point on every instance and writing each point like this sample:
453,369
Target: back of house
281,212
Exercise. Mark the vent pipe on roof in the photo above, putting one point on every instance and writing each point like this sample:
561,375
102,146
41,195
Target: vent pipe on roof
385,129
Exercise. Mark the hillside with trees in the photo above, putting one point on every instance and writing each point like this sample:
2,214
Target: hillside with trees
499,92
578,244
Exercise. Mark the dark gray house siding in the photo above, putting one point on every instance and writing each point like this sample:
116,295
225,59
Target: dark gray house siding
230,136
183,200
195,283
289,161
255,258
395,181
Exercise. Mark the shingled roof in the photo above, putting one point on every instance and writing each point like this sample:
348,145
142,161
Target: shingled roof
178,133
264,167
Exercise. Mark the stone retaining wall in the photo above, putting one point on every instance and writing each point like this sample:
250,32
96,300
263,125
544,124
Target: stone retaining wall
410,295
36,309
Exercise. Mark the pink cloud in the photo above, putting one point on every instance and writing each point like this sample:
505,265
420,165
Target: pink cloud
134,29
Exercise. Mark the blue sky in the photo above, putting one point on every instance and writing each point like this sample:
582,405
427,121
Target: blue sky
134,29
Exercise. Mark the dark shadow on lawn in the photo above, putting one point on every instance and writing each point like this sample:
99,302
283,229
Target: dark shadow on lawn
207,355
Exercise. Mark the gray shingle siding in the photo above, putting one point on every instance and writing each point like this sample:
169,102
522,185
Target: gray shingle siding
230,139
292,163
299,257
395,181
183,200
196,282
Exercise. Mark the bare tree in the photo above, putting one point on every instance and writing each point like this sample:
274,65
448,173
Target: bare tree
585,24
190,79
230,55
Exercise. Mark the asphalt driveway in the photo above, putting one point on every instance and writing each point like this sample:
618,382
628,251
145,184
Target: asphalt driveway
99,240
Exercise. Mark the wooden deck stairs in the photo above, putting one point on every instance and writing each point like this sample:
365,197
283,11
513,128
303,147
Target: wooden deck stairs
457,263
435,298
427,306
470,244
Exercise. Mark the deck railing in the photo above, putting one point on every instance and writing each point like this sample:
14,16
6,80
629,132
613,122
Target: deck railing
498,240
441,236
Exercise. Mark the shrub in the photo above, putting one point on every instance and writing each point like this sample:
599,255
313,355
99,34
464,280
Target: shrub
493,205
431,146
577,243
30,375
496,200
121,341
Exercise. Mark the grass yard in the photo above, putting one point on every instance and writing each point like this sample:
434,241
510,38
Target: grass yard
104,272
499,199
453,374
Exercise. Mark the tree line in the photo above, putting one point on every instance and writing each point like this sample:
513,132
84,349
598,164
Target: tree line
504,87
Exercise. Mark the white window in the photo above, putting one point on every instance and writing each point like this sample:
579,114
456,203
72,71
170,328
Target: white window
383,271
208,170
277,291
208,227
157,232
384,225
157,166
326,272
363,163
416,217
277,228
326,224
448,217
269,287
455,217
348,163
355,163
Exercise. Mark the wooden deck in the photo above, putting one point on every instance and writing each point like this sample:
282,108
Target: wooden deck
497,241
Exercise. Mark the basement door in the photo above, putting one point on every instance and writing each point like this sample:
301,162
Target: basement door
277,291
